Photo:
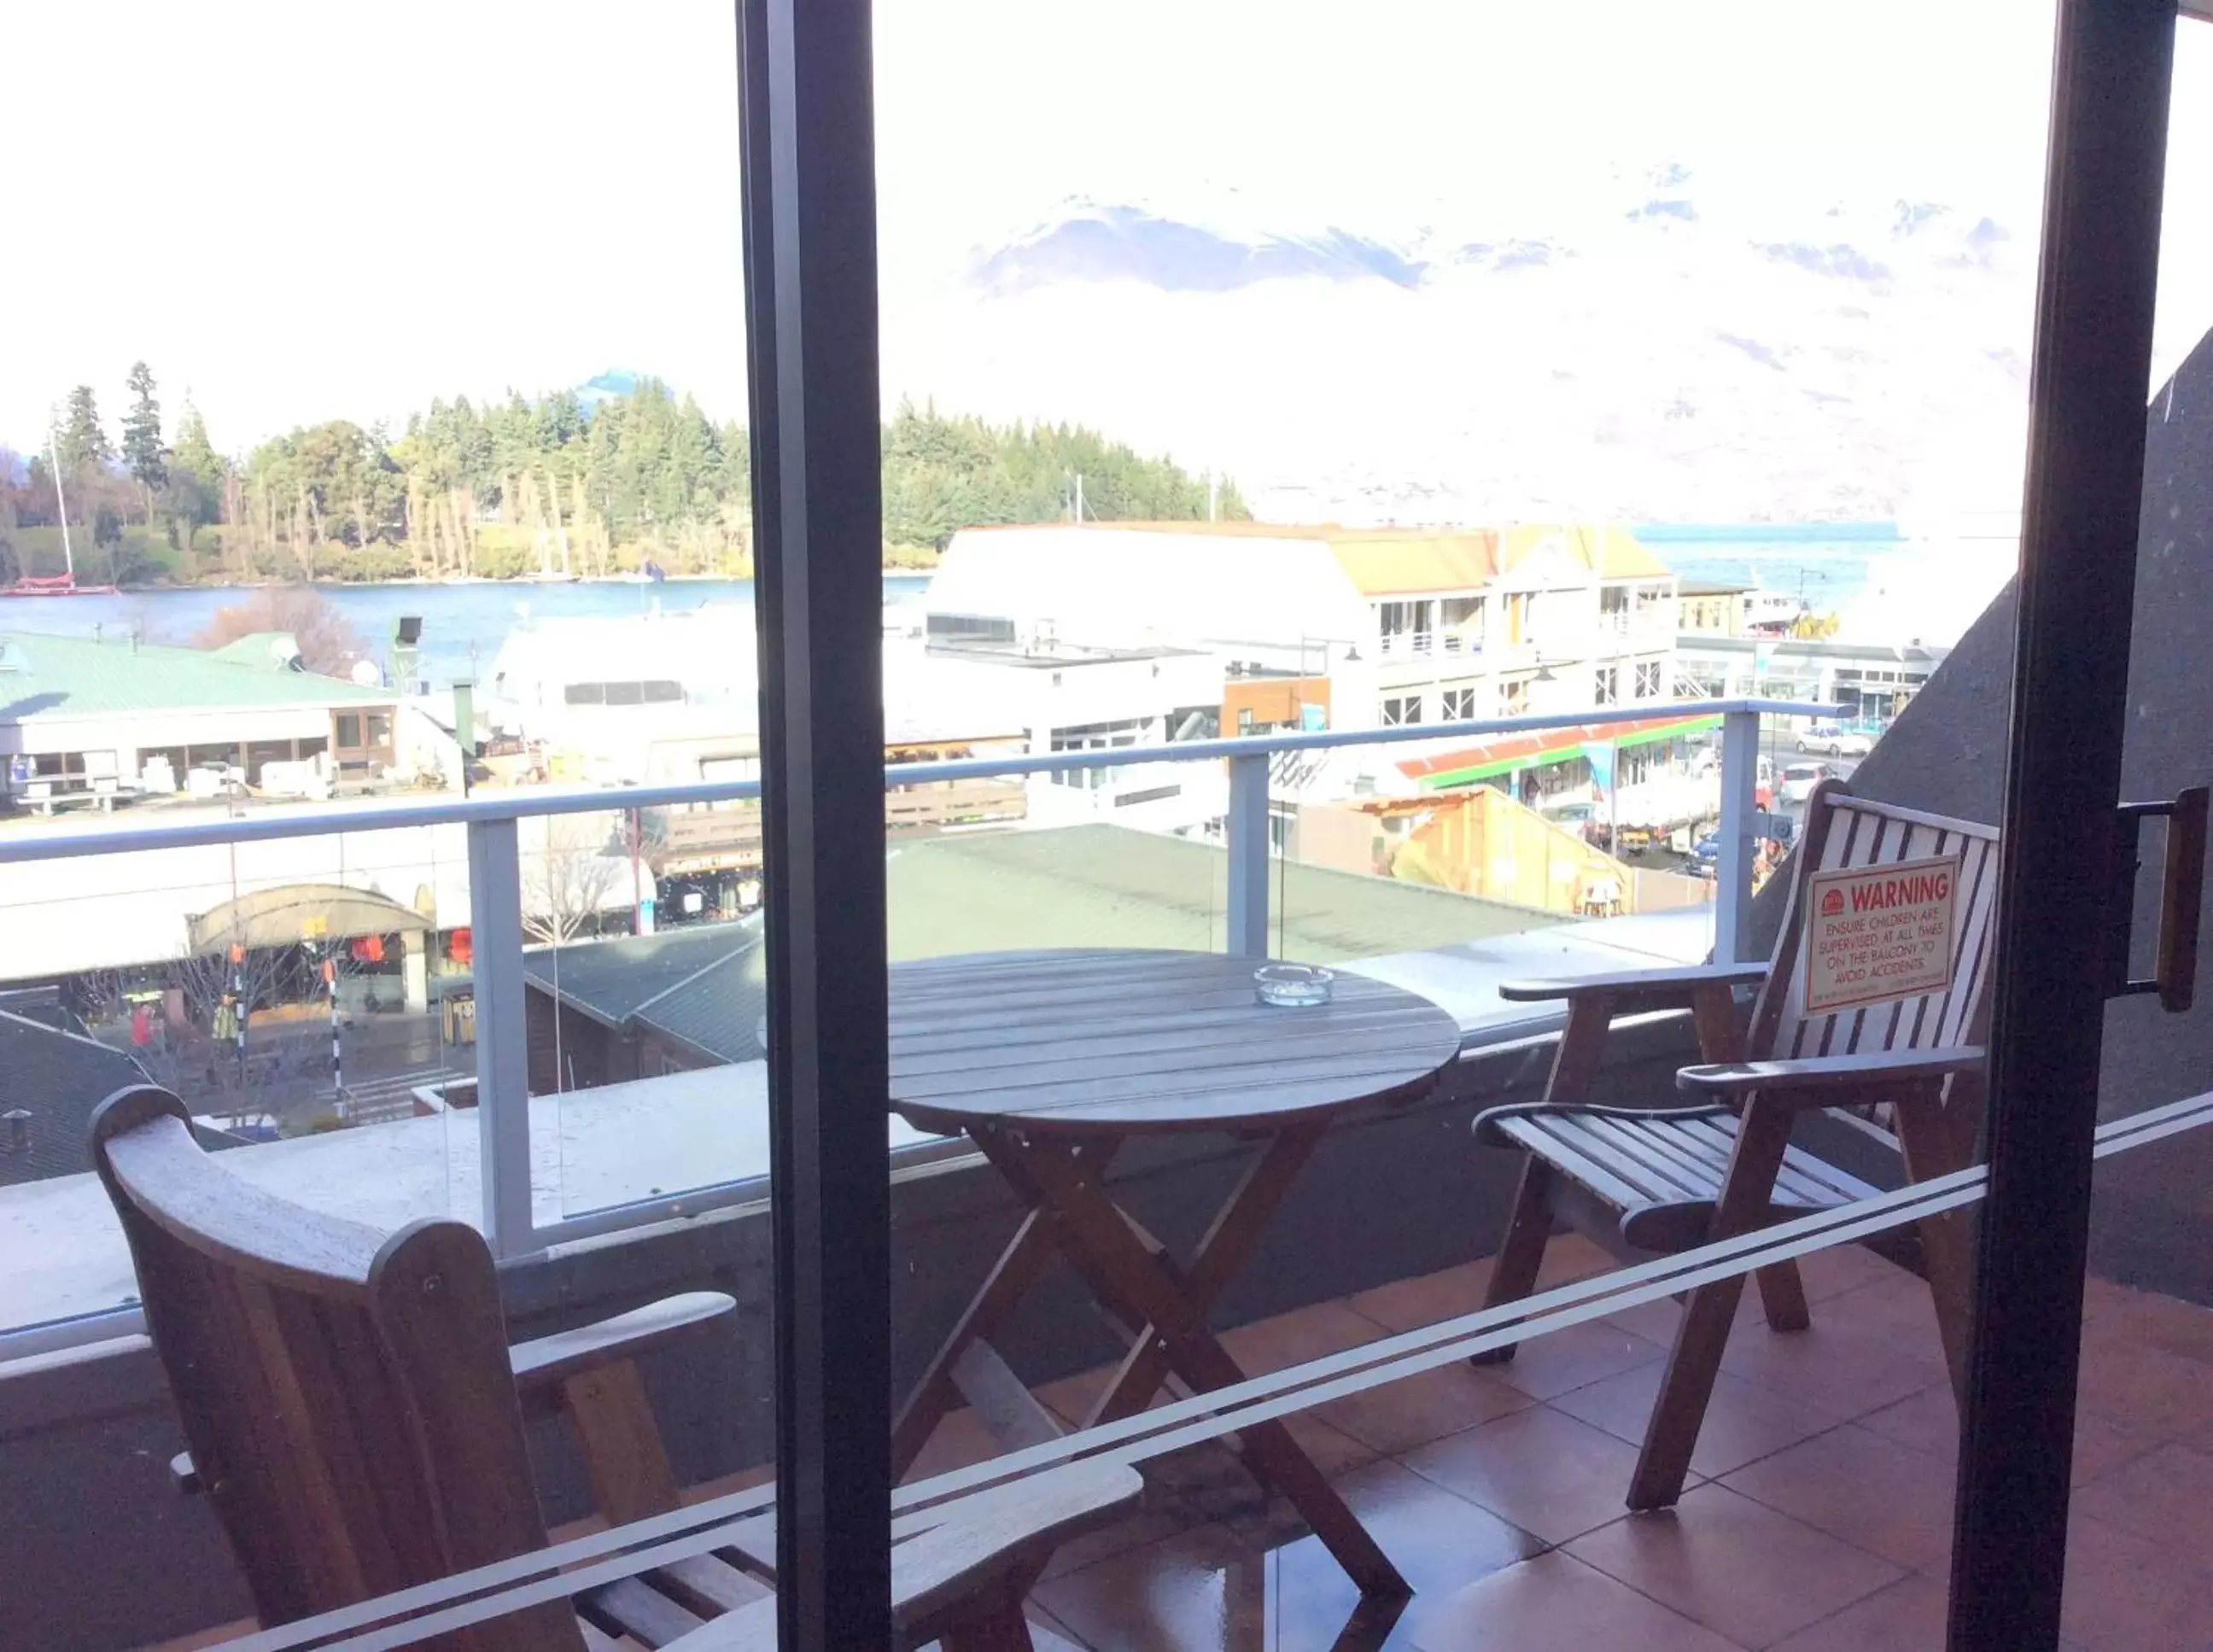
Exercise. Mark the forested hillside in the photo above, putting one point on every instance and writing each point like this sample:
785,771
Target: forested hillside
590,485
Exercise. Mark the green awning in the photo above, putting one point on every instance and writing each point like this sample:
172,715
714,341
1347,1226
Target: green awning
1666,731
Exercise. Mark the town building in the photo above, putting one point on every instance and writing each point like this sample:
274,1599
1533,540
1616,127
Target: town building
99,722
1868,679
1406,626
1709,607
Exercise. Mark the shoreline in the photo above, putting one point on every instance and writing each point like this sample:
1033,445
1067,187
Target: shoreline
520,582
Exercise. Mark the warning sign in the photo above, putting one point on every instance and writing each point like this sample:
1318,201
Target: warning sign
1875,933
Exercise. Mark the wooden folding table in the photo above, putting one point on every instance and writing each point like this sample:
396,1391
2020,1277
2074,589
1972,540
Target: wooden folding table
1049,1061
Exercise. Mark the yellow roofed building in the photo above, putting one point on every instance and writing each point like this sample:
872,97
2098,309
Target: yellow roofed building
1409,625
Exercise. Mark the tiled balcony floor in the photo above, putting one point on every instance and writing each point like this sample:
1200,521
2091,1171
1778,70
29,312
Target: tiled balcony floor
1819,1518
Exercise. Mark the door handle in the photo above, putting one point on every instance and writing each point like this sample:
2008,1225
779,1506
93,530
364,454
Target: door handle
2182,890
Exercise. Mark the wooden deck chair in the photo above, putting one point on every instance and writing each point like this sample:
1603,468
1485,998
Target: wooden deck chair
355,1413
1650,1181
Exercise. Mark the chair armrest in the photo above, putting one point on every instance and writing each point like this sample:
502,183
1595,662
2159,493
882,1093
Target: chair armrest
979,1540
1637,983
933,1569
1872,1069
546,1361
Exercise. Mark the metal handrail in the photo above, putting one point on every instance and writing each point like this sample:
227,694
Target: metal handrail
313,821
496,883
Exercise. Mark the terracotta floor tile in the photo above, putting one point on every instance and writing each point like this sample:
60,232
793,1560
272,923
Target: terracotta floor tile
958,1442
1071,1397
1211,1484
1409,1304
2125,1594
1561,1360
1907,1617
2143,1316
2142,1390
1928,1422
1743,1423
1555,1604
1736,1565
1292,1339
1897,1307
2167,1495
1200,1591
1656,1321
1334,1451
1538,1469
1847,1365
1439,1542
1847,1267
1872,1492
1825,1275
1417,1410
1426,1298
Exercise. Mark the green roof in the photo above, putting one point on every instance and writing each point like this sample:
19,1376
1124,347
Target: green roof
1108,886
75,677
705,983
264,649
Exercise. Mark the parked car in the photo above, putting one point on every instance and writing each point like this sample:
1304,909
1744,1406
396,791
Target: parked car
1706,856
1834,741
1800,779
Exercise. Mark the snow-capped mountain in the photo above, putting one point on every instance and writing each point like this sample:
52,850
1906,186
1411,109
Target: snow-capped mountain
1661,343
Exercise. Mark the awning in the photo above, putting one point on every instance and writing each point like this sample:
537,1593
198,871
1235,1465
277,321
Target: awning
298,912
1510,752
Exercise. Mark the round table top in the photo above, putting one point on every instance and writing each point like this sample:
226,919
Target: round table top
1128,1042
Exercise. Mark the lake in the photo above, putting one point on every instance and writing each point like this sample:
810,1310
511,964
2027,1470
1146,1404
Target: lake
463,626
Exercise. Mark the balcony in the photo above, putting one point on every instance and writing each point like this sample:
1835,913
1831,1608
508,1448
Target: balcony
1818,1510
1818,1518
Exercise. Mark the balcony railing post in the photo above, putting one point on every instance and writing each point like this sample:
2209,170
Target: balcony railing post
502,1044
1740,802
1247,925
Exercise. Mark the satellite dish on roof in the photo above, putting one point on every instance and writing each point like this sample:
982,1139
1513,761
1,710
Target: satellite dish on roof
365,673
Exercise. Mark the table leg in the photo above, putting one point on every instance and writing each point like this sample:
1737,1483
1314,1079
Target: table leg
1010,1280
1139,1285
1236,1228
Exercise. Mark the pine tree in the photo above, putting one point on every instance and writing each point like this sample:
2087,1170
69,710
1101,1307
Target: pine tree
141,436
81,442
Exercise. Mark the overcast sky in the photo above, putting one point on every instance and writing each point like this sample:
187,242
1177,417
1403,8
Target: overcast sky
307,211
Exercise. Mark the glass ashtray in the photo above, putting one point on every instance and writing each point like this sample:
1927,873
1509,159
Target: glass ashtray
1292,986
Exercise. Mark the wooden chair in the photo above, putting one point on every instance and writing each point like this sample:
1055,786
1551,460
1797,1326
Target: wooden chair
355,1413
1650,1181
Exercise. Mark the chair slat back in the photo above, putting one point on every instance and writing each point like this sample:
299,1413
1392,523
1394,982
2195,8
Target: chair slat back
346,1395
1842,830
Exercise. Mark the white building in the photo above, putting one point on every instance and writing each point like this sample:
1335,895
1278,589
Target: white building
1047,695
90,722
1407,625
608,689
1867,681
